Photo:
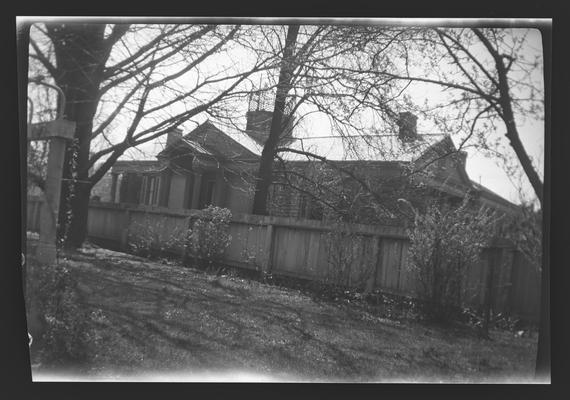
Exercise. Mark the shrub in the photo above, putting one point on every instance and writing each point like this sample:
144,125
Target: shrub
443,242
145,238
525,232
52,291
344,256
210,234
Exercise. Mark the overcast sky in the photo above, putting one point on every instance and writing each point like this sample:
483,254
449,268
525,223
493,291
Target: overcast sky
481,167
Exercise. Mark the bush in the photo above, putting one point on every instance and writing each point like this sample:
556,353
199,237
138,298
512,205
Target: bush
53,294
145,238
210,234
344,261
443,242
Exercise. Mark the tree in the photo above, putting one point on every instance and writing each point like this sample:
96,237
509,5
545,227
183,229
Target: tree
265,173
490,78
126,85
443,242
328,70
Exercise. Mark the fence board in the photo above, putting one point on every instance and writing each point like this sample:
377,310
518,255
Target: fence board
303,248
407,283
525,290
105,223
391,260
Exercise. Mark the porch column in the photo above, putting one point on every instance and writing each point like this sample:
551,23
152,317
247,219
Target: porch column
114,188
196,189
220,189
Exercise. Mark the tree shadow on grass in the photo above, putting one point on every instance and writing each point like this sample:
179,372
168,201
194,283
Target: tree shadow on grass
211,322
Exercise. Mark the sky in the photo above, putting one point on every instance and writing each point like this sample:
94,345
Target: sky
480,167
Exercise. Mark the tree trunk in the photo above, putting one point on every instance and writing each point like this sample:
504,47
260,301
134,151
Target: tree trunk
265,173
77,187
77,230
508,116
513,134
80,56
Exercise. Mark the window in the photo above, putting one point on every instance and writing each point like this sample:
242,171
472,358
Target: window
115,185
207,190
150,190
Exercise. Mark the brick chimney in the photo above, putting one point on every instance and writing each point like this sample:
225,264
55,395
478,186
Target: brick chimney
407,124
259,117
173,136
462,158
258,125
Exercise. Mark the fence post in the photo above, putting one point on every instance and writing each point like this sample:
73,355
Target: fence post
46,250
268,249
125,233
492,259
371,281
378,257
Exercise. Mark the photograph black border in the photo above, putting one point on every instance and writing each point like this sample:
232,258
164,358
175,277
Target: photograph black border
16,355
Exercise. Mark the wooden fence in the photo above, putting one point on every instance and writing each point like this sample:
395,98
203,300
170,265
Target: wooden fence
369,257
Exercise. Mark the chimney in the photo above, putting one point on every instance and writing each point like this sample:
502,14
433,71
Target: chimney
463,158
259,124
260,115
173,136
407,124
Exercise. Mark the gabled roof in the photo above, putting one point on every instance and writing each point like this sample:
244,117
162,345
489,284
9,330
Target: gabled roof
494,198
208,140
233,143
443,149
364,147
141,166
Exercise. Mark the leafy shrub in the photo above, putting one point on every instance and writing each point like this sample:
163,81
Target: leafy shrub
344,255
525,232
53,293
210,234
443,242
145,238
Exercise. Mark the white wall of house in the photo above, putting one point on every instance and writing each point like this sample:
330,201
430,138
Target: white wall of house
176,195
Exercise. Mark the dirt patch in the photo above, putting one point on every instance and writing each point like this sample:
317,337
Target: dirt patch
162,318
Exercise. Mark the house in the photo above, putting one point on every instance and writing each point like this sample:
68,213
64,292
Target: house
216,165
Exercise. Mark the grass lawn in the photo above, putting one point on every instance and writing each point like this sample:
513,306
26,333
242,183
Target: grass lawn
160,321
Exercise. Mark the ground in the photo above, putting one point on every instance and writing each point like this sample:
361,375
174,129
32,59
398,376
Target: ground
177,323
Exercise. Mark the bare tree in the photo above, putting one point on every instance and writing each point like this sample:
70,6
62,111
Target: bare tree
492,77
126,85
489,79
283,87
329,70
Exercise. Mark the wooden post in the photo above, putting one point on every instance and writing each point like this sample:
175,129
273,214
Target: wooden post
46,250
489,289
378,279
400,266
125,233
371,281
268,250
